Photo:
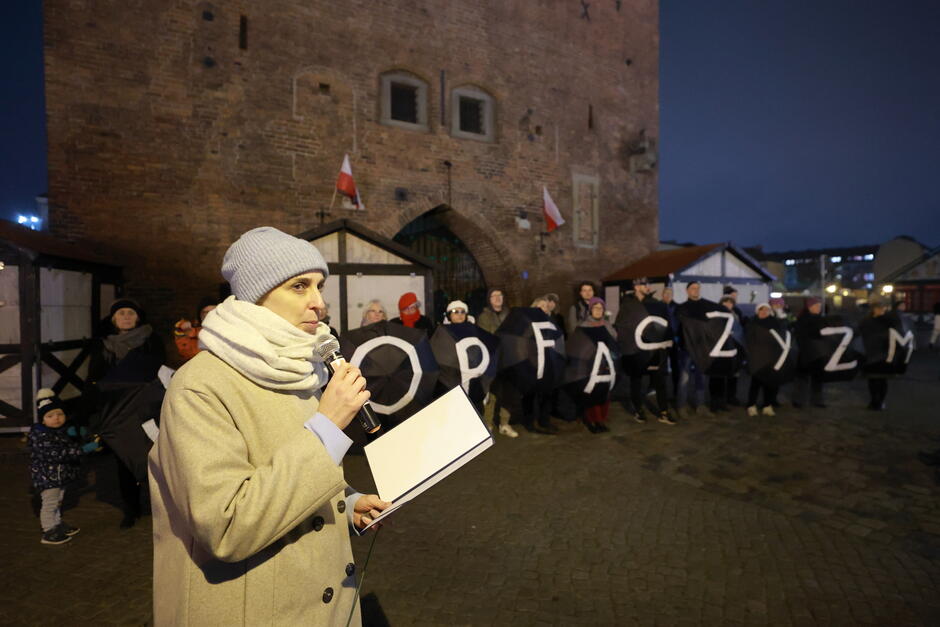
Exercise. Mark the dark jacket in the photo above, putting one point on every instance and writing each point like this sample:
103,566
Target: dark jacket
489,320
673,318
578,313
691,309
102,361
807,326
805,330
423,323
770,322
54,458
150,356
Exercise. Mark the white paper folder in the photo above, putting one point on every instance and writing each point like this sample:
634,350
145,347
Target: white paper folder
425,448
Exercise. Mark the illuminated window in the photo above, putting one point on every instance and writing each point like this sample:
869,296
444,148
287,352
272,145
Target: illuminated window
835,259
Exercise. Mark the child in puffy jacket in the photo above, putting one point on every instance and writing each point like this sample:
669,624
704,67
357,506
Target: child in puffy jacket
55,454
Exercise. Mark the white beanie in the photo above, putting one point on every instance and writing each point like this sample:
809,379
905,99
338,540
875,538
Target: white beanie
456,304
263,258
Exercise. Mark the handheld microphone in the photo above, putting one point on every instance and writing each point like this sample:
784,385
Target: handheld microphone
328,349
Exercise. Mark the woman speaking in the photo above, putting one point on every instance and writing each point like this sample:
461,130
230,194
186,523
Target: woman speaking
251,512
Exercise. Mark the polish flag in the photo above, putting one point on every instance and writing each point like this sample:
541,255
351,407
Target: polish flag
552,216
345,184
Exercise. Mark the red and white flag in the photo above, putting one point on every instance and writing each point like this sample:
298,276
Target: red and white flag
345,184
553,218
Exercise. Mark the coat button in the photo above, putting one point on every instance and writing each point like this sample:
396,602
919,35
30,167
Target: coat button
328,595
318,523
341,506
350,569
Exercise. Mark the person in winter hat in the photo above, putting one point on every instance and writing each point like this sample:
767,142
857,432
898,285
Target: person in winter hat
779,307
595,416
457,313
246,475
128,351
764,317
55,456
409,313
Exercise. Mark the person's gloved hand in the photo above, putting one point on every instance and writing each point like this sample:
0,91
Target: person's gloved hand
72,432
91,447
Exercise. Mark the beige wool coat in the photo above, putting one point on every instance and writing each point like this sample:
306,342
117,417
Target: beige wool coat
249,520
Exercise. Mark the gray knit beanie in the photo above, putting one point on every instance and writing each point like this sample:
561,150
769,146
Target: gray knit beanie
265,257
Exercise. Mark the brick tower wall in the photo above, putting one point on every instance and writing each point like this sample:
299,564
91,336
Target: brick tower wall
175,126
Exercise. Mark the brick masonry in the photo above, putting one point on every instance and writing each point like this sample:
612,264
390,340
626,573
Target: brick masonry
167,140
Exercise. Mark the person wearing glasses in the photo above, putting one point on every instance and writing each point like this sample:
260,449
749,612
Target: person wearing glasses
409,314
457,313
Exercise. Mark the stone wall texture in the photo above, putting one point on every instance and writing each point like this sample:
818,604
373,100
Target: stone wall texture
167,139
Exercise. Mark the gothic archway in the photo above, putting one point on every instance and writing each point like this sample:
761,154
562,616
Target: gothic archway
457,275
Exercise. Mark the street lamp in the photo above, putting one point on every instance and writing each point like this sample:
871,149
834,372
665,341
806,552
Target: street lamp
831,289
887,289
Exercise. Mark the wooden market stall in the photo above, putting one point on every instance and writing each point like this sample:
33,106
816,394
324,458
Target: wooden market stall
364,266
51,295
712,265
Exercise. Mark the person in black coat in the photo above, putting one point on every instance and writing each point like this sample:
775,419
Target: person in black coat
656,371
731,388
806,329
691,378
673,351
580,310
878,323
129,350
766,318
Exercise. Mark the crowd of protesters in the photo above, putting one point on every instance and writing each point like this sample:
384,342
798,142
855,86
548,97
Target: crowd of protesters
672,387
679,389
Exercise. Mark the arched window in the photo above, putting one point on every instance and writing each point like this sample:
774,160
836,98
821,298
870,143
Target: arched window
404,101
472,115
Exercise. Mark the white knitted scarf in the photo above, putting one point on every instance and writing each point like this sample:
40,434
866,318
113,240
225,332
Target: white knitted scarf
263,346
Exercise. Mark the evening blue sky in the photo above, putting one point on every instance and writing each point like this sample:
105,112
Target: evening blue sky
799,124
787,124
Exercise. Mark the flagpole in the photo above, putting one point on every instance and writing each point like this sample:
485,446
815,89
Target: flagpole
333,199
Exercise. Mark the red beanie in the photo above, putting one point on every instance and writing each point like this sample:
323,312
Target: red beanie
406,300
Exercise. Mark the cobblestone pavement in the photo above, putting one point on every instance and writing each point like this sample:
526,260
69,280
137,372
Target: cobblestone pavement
821,517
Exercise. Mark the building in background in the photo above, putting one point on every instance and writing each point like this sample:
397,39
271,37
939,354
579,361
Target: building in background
847,276
850,268
917,283
713,265
52,295
175,126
